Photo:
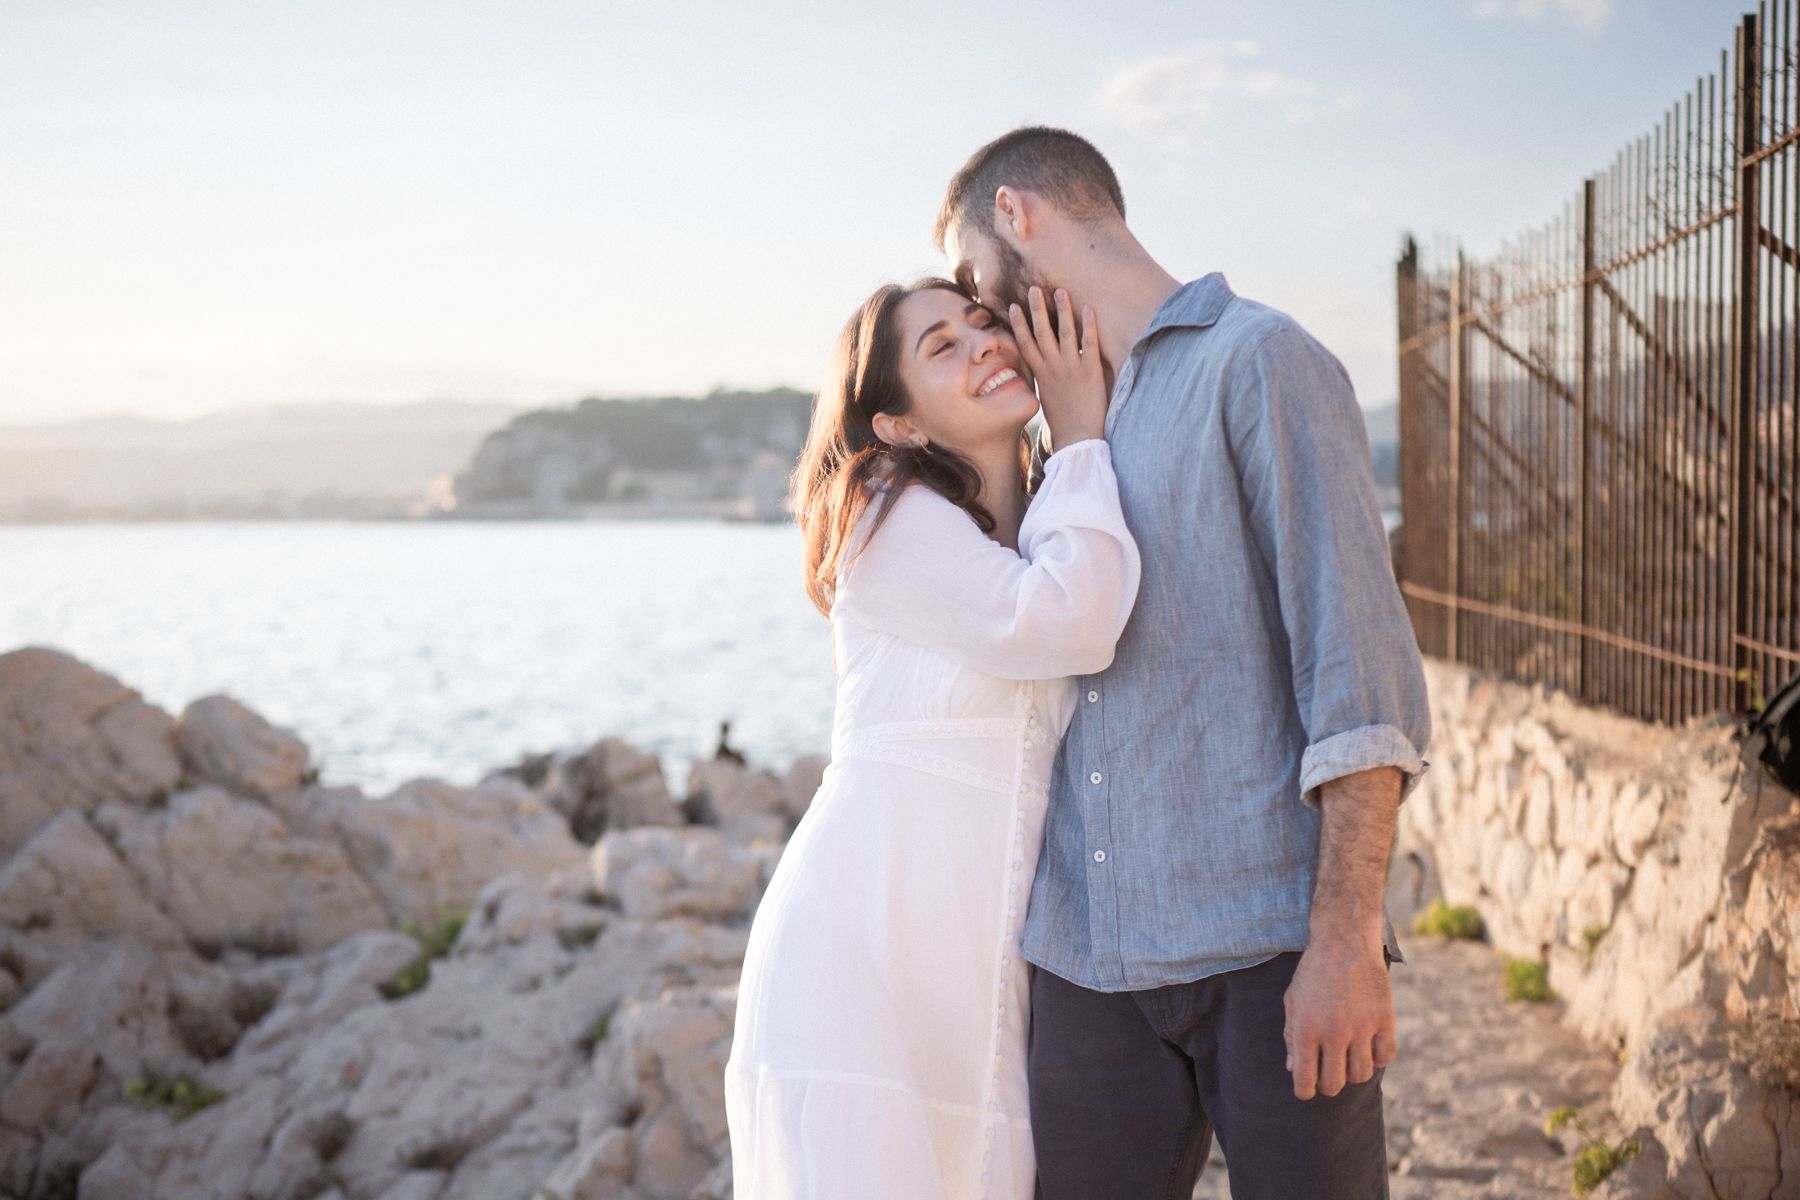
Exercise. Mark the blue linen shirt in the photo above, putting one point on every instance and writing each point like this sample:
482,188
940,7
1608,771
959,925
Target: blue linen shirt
1268,653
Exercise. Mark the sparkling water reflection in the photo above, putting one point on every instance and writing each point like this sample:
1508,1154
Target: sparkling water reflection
444,649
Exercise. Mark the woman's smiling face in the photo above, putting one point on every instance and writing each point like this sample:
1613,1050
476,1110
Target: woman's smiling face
962,372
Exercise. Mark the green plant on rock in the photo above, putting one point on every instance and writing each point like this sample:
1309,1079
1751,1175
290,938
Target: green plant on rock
434,941
596,1033
183,1096
1590,938
1461,921
580,935
1597,1158
1527,979
408,979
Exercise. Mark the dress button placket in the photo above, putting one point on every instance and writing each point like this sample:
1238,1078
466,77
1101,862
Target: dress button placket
1027,743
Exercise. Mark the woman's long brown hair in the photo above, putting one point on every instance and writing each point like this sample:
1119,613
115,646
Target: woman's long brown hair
843,455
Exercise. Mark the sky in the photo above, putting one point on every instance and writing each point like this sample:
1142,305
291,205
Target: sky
205,205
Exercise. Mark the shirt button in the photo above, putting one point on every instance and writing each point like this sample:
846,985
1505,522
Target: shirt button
1093,697
1099,856
1028,743
1095,777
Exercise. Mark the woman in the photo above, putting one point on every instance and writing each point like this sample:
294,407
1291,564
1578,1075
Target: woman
881,1023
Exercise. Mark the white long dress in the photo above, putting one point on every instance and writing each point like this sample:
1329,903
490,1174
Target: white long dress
881,1025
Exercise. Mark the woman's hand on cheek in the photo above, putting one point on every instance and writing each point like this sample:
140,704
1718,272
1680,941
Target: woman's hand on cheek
1066,363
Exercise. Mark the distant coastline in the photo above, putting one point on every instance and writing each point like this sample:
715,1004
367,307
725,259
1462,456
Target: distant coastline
725,456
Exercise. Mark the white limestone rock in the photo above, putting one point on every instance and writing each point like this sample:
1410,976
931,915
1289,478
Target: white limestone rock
73,738
611,785
673,1051
515,908
98,1022
334,983
66,888
226,743
599,1169
747,804
429,846
654,873
1724,1134
230,873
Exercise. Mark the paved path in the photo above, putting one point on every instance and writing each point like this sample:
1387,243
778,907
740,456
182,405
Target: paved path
1475,1081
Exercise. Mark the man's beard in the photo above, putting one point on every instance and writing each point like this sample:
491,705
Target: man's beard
1013,282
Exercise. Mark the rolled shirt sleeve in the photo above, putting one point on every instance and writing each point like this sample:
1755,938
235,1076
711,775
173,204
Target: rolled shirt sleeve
1297,434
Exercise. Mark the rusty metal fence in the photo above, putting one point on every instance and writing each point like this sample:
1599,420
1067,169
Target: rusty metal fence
1600,426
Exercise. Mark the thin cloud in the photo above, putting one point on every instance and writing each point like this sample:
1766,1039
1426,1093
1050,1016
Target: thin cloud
1172,98
1586,14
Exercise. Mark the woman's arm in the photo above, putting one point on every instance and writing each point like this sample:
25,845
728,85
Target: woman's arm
930,575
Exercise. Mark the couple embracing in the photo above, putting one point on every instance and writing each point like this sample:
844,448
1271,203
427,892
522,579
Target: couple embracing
1123,721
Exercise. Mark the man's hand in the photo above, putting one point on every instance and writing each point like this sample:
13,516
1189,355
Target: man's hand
1340,1017
1340,1009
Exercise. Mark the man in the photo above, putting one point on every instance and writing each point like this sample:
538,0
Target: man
1206,919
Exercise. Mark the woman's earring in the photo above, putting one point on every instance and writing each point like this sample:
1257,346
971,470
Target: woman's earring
917,441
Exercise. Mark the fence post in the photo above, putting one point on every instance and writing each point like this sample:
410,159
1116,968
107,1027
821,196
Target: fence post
1743,423
1584,519
1406,275
1453,574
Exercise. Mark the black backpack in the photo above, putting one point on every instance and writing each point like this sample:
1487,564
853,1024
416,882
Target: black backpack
1771,737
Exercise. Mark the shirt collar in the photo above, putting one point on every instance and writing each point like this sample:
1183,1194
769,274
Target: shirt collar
1197,303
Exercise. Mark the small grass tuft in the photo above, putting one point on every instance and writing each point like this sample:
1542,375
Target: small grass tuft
183,1096
575,937
408,979
1590,938
1528,980
434,941
1461,921
596,1033
1596,1159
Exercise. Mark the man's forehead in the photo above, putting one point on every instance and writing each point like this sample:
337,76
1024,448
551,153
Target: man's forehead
960,248
961,242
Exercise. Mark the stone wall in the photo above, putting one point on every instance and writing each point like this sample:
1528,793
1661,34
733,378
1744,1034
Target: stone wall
1661,885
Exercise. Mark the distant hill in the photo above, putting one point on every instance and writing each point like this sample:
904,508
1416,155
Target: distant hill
1383,427
728,452
311,459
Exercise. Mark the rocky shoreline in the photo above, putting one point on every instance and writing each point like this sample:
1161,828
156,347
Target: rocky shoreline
222,979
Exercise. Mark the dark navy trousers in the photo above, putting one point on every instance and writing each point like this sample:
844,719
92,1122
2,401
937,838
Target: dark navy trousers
1128,1089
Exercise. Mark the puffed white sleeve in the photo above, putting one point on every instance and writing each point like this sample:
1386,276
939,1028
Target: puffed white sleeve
1054,608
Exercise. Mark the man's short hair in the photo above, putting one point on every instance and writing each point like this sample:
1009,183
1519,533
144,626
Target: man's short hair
1061,166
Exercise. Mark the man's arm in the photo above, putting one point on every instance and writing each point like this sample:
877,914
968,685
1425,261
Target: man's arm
1359,688
1340,1011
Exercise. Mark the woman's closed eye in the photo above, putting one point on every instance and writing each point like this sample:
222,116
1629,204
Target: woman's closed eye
988,321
